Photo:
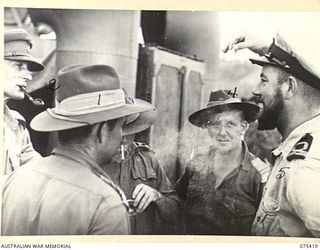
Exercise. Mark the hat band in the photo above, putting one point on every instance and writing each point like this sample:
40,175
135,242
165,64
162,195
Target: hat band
17,48
64,118
91,102
15,53
215,103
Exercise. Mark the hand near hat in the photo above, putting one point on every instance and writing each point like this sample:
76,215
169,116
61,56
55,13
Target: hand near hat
143,195
257,43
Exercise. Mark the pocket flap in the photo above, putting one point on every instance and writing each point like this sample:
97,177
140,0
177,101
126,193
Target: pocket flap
239,207
142,167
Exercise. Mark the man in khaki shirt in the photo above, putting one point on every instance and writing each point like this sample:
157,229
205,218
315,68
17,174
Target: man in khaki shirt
68,193
18,65
289,91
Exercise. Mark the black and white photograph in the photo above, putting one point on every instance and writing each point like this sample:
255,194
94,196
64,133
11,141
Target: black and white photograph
161,122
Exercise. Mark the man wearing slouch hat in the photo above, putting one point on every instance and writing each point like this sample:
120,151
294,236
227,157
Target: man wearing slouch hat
68,193
222,187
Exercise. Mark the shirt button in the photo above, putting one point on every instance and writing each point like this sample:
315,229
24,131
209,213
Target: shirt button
258,218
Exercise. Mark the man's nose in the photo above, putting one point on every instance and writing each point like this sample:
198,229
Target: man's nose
256,91
26,72
222,130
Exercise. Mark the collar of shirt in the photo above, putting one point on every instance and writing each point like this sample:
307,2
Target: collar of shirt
12,118
286,146
128,150
87,162
245,156
77,156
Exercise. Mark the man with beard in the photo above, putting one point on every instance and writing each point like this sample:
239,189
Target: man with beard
289,91
222,188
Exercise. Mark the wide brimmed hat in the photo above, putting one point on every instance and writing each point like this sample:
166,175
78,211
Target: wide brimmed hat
87,94
220,101
139,122
17,47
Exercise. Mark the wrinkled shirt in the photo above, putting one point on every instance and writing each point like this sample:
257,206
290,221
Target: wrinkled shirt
141,166
18,149
228,209
291,201
60,195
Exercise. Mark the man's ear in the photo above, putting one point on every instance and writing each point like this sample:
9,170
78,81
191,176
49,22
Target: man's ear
245,127
289,87
99,131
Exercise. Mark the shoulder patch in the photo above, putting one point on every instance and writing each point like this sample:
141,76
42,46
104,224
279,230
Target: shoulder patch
301,148
262,168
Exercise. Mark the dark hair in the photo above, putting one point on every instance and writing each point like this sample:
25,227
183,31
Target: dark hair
79,135
308,91
74,135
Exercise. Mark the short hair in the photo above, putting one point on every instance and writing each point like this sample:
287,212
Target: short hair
312,94
80,135
212,113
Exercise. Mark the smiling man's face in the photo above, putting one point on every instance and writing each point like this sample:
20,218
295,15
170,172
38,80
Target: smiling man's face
16,75
226,129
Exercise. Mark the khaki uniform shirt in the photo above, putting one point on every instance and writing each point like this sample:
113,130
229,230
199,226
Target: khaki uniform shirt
140,166
291,202
17,147
62,194
229,208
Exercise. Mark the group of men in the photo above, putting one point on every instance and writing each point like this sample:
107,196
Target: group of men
98,180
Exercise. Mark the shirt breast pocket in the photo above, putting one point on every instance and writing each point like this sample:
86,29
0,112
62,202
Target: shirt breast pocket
238,207
194,191
142,170
196,199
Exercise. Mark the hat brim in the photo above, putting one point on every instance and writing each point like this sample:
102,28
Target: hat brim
263,62
144,121
200,117
46,123
33,64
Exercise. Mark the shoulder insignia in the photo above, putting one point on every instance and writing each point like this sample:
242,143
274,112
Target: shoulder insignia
142,145
262,168
301,148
